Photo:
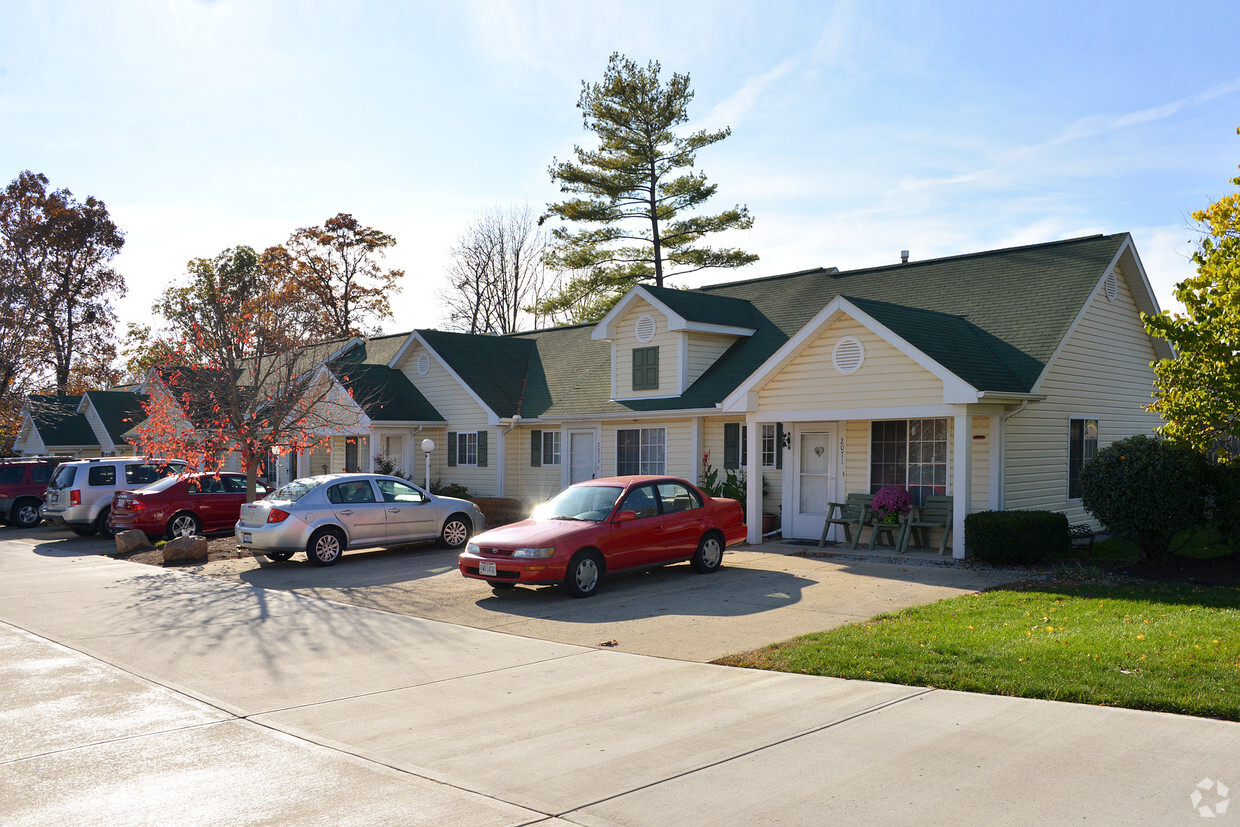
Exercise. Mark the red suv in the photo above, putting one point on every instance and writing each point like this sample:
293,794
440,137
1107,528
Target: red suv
22,483
179,506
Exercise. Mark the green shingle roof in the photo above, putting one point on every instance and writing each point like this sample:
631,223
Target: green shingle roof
385,394
708,308
58,421
495,367
118,410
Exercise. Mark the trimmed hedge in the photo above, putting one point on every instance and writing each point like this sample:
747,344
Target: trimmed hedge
1016,536
501,510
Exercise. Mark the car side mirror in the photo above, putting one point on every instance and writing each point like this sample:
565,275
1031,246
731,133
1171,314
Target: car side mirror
625,517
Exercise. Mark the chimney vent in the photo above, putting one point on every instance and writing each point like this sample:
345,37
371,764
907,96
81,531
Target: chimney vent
904,256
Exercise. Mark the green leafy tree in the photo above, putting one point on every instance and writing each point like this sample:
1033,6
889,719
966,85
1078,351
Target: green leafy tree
1198,392
631,192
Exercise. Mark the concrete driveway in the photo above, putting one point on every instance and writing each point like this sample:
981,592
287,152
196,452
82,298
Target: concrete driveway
760,596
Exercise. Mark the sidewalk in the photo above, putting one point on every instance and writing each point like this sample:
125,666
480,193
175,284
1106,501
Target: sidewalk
138,695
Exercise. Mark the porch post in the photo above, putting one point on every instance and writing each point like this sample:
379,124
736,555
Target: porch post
695,450
962,480
753,482
501,465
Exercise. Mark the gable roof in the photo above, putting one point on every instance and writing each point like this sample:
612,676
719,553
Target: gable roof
385,394
494,367
58,421
119,411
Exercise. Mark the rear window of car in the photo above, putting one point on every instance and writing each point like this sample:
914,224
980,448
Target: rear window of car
145,473
101,475
11,475
63,477
294,491
161,485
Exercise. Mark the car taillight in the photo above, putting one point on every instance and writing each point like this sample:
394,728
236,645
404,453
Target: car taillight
75,497
277,515
136,505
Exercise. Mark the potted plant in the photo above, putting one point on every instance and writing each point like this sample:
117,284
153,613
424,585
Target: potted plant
891,504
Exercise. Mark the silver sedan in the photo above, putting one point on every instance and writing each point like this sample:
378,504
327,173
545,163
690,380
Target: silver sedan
325,515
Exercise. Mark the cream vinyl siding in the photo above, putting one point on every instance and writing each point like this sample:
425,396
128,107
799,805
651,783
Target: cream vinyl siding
856,458
679,439
525,483
667,342
980,501
712,442
887,377
1102,373
703,349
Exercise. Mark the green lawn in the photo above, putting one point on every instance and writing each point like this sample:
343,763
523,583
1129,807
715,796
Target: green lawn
1172,647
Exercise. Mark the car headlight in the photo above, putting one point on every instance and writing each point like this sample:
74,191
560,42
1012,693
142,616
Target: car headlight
534,552
472,548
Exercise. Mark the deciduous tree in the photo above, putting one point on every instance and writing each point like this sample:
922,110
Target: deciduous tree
631,192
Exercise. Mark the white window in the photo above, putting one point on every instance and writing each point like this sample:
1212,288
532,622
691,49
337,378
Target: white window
911,454
467,448
641,451
769,446
1082,445
550,447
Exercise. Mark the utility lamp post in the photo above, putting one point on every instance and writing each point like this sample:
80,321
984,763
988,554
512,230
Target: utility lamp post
428,447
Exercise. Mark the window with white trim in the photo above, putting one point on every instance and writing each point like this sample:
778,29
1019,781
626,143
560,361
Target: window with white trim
467,448
641,451
770,446
911,454
1082,445
550,447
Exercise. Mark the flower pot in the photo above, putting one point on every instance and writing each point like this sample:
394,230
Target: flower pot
770,522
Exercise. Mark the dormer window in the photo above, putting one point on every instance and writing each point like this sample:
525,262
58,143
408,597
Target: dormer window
645,368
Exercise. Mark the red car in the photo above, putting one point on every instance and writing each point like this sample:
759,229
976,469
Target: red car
607,525
182,505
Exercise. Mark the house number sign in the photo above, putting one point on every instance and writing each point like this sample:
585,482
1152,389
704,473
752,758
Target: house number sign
841,452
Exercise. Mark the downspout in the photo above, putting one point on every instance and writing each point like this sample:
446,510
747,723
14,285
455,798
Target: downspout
1003,451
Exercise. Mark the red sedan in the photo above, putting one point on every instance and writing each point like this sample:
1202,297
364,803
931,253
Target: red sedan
607,525
180,506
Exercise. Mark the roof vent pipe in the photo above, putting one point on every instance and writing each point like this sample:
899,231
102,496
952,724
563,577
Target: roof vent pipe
904,256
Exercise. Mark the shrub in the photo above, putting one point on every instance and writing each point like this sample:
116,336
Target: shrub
1016,536
449,489
1223,491
501,510
1144,490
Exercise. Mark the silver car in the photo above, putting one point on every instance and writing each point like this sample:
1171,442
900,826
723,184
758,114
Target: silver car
325,515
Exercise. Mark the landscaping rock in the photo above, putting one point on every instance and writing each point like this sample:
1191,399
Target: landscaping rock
186,548
130,541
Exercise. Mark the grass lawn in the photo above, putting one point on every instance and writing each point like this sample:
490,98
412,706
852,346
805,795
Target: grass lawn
1166,647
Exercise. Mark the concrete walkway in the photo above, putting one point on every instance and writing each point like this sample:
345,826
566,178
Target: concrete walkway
133,695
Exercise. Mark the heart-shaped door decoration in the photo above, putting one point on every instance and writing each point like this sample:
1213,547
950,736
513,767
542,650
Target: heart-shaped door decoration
818,451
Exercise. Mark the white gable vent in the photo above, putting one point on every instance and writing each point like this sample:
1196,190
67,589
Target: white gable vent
1111,286
848,355
645,328
424,363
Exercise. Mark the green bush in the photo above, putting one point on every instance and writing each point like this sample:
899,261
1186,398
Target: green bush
1223,490
1145,490
1016,536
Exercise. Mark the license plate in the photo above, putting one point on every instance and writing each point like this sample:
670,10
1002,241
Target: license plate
246,537
486,569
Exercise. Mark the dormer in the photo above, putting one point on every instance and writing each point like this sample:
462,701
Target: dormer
662,340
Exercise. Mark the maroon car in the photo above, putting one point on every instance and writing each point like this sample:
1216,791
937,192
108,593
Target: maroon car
182,505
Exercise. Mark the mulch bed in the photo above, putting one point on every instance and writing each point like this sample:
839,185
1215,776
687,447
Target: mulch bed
1216,571
218,548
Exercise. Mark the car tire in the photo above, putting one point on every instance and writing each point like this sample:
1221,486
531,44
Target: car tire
183,524
278,556
25,514
85,530
325,546
101,524
502,585
709,554
456,531
585,572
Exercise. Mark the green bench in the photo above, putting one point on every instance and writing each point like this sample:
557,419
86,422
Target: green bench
936,513
853,514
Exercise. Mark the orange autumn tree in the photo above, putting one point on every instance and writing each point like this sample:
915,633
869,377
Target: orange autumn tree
233,373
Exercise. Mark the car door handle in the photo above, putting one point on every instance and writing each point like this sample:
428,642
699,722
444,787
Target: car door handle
393,510
347,511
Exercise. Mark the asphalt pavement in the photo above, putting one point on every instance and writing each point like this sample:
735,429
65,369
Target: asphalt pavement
136,695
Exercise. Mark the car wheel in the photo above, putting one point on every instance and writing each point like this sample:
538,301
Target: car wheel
709,554
456,531
585,571
85,531
101,524
183,524
325,547
26,514
278,556
501,584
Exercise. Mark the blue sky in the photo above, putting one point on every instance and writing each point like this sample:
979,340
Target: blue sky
859,129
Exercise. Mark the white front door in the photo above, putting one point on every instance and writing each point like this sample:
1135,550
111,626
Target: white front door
581,456
815,483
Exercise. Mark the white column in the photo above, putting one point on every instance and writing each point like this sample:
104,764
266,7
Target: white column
995,484
695,450
962,480
501,464
753,477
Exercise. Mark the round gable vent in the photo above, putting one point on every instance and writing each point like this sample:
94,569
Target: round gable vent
1111,286
424,363
848,355
645,328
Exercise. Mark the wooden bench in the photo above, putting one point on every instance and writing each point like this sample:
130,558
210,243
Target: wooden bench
854,514
936,513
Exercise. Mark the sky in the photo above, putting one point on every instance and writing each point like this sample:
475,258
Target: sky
859,129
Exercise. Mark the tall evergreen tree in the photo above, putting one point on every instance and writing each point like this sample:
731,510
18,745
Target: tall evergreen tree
631,191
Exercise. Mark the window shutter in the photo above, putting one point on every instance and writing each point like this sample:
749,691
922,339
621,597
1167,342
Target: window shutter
652,368
731,445
536,449
482,449
639,367
779,445
451,449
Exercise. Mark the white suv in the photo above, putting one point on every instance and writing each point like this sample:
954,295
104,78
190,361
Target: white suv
80,493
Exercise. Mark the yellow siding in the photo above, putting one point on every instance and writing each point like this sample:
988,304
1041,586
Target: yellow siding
1103,372
856,458
981,464
525,482
712,443
887,377
678,437
667,342
703,350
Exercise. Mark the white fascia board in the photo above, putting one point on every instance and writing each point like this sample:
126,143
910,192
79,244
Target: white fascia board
955,389
86,407
678,413
1145,299
404,348
335,354
604,330
324,372
408,423
492,417
841,414
726,330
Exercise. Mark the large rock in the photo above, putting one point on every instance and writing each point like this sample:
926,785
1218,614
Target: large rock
186,548
132,540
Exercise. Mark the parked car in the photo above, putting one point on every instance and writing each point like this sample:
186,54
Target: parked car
22,484
326,515
184,505
80,493
607,525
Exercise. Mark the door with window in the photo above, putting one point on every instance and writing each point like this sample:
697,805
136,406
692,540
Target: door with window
581,456
410,514
815,483
362,514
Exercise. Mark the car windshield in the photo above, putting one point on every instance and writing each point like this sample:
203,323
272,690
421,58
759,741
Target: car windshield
294,491
589,503
64,477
